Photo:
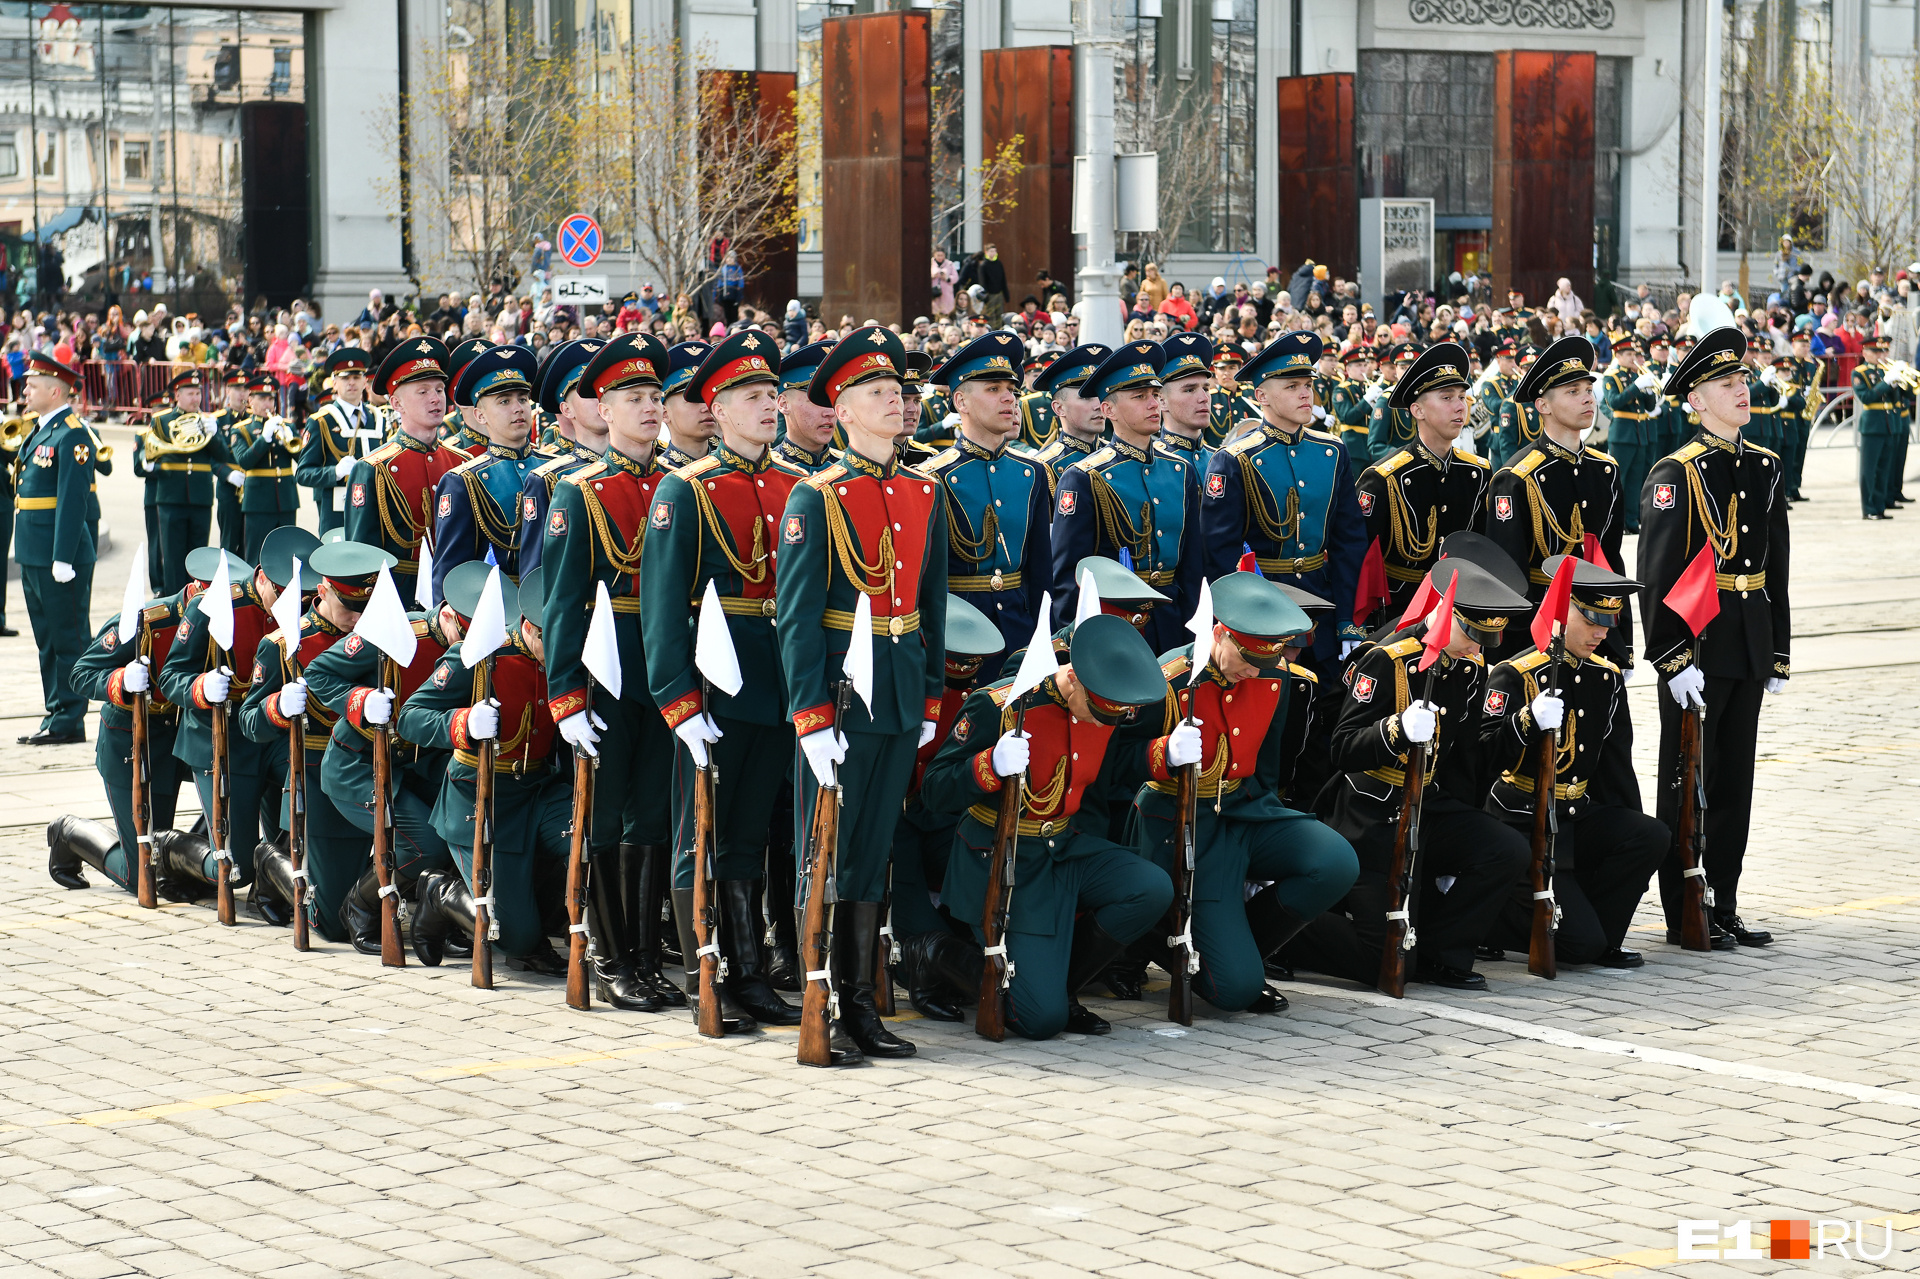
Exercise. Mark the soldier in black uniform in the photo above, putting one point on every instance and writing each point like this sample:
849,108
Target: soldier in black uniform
1429,488
1717,491
1607,849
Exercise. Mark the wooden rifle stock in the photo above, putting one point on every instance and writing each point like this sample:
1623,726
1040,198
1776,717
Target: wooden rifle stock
146,890
883,958
706,926
578,870
391,955
220,821
1690,836
483,845
823,842
1541,960
990,1022
1180,939
1403,874
297,825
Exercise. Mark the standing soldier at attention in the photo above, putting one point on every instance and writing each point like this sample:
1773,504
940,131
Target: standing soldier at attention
1077,416
1000,549
235,424
716,521
477,504
595,535
1286,493
1721,492
1326,376
1556,491
1186,395
187,455
54,542
579,427
1881,421
340,434
689,423
1229,405
9,467
1129,500
1804,371
390,490
1631,395
1421,493
1037,424
1350,411
271,498
1390,428
1490,396
807,445
864,526
458,430
157,406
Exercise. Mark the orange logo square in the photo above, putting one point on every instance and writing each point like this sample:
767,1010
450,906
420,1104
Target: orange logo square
1789,1240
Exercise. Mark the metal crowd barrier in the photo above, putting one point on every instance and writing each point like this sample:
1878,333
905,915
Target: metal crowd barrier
123,388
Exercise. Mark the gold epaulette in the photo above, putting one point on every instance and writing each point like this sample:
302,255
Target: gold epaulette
699,466
388,451
1528,464
825,480
1603,663
1294,668
915,472
1096,459
548,468
1687,452
1392,462
587,472
997,693
1403,647
1246,443
1527,661
943,457
1603,456
1174,667
472,464
1761,448
421,628
157,612
1475,459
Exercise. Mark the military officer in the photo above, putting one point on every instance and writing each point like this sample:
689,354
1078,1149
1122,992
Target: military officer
1607,849
807,443
390,491
1419,494
689,423
1037,424
187,455
267,458
157,404
1286,493
1080,898
864,526
936,425
595,535
1555,492
9,466
477,512
1881,421
1720,491
235,423
1000,549
1790,410
1230,405
578,425
1326,376
54,542
1186,395
1077,417
1764,401
1630,393
1129,500
1388,705
1231,722
714,522
914,376
338,434
532,800
1350,411
1389,428
458,430
1677,422
1805,372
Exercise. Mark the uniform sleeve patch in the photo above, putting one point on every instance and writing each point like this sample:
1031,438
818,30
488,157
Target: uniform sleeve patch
1068,501
662,515
110,639
557,523
1366,502
360,495
528,509
794,531
81,454
440,677
259,670
1503,508
1216,486
1496,702
446,505
962,730
354,644
1663,497
1363,686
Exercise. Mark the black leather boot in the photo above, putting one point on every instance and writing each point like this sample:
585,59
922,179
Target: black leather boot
612,937
73,842
271,898
644,869
182,865
942,973
360,913
783,949
660,910
1093,950
542,960
444,909
734,1020
741,931
856,936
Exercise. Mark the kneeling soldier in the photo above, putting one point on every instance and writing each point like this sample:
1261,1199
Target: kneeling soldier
1607,849
1080,898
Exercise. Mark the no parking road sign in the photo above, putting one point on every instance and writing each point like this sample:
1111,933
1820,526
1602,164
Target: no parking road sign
580,241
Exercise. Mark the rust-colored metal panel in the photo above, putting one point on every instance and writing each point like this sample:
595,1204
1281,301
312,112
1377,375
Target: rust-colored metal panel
1542,172
875,194
1319,188
1028,92
772,266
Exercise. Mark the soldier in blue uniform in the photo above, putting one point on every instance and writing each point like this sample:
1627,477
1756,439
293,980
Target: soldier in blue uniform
1000,552
1186,391
477,511
1130,501
54,542
806,444
577,425
1077,417
1286,492
689,427
458,430
345,430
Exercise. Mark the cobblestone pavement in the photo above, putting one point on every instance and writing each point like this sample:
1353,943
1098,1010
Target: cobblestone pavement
183,1099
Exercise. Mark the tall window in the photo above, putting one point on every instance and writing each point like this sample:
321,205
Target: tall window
9,156
1776,51
807,121
138,166
1424,128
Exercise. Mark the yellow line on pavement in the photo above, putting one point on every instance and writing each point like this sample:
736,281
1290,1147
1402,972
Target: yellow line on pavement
1656,1258
1847,908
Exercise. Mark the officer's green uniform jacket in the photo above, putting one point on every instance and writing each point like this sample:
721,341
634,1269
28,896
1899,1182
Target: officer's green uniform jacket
1629,409
1352,416
1808,374
933,428
340,679
1489,393
327,437
1065,450
390,499
97,672
1880,401
1515,429
435,717
190,479
1763,426
269,466
54,503
1037,422
275,665
1226,410
235,429
1389,430
193,655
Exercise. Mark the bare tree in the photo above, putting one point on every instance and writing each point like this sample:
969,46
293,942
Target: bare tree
1184,129
1852,143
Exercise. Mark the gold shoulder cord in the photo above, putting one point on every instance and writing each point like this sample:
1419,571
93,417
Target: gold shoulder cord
970,550
1724,538
625,561
1278,528
840,536
409,540
1564,751
752,570
1404,528
1543,523
1115,525
487,515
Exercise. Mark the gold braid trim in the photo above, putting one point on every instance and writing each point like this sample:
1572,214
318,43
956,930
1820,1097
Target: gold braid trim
752,570
1403,527
1276,527
623,560
1725,539
487,515
970,550
1116,526
841,538
384,482
1571,540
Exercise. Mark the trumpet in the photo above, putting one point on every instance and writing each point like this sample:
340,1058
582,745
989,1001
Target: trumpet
1901,374
15,430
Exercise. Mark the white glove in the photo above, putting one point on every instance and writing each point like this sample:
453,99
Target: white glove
62,571
1776,685
1347,647
1417,722
236,479
483,720
1548,711
825,749
216,686
343,466
135,677
1011,754
293,699
1320,413
928,728
697,731
1627,673
148,465
378,708
1767,377
1183,744
1374,393
1647,381
1688,685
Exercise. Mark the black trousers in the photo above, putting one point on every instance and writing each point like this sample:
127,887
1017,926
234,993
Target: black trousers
1605,860
1727,744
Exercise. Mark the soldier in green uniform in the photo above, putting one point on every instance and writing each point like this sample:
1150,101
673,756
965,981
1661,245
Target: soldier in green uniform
338,434
578,425
936,406
1231,403
390,502
806,444
1079,898
458,430
864,526
233,421
1880,421
1677,421
271,498
156,404
1518,424
1802,370
54,542
1037,425
1231,721
713,523
1490,392
1763,426
595,536
914,376
1390,429
1630,395
1349,412
1078,417
9,466
186,453
689,423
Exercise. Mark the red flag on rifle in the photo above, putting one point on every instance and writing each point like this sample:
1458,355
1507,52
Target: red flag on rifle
1553,608
1440,632
1372,591
1424,598
1695,595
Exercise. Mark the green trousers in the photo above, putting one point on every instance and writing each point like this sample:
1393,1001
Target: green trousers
182,529
922,842
337,855
61,631
259,524
233,523
873,782
1875,466
532,823
633,788
113,756
257,778
751,758
1635,461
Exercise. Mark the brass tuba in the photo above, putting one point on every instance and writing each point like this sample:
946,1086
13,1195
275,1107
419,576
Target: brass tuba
15,430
